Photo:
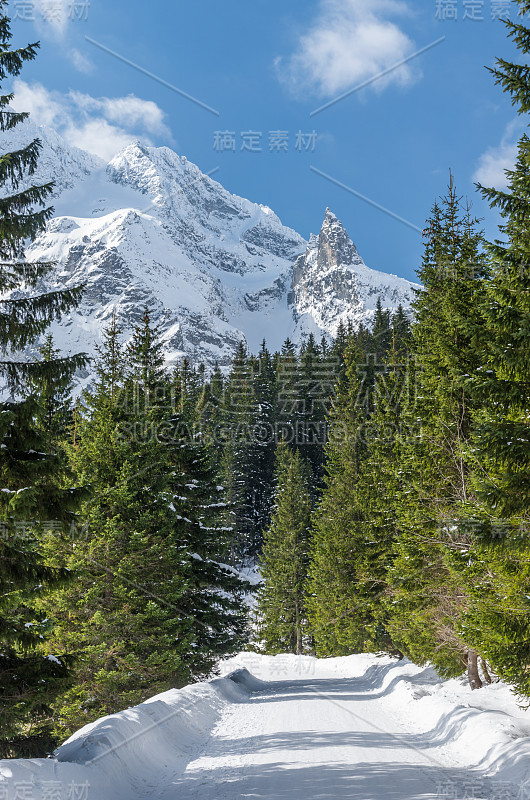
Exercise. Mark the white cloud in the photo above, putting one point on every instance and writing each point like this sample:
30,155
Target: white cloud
130,111
350,41
101,125
81,62
40,103
52,15
493,163
98,137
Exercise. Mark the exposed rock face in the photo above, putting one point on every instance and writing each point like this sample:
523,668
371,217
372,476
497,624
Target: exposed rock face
150,229
331,282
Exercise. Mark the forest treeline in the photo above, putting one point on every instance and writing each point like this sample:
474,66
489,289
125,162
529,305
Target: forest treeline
380,478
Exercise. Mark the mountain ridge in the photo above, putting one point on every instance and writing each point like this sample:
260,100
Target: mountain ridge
150,229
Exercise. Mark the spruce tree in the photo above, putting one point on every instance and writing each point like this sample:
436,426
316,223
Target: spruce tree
502,382
375,526
381,332
281,603
209,414
401,334
290,401
317,378
153,606
337,622
247,464
28,459
265,441
55,413
497,617
429,595
355,524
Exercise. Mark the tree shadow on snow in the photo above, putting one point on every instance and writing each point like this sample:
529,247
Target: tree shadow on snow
360,688
363,781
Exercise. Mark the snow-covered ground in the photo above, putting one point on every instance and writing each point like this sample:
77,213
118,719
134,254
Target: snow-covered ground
357,727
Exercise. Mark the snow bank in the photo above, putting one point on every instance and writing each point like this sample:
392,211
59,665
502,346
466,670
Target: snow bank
485,729
123,756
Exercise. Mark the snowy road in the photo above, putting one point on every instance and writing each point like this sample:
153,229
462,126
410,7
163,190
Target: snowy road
358,727
324,738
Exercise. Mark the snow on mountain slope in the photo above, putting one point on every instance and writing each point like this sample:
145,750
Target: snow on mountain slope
59,162
150,229
362,726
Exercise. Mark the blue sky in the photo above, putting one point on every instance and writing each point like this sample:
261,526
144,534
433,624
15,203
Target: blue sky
265,66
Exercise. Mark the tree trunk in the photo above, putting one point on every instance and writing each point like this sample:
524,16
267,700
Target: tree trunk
298,632
472,670
485,672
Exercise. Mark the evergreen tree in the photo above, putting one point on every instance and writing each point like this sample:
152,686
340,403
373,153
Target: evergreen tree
356,522
502,382
187,391
265,441
428,594
337,622
381,332
497,618
210,414
248,459
237,470
401,334
55,413
317,378
281,604
340,342
152,608
28,460
375,525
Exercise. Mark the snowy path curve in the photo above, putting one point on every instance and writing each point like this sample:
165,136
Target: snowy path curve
326,738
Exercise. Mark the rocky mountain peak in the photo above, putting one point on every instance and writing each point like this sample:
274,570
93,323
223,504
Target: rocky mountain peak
59,162
149,228
331,282
334,245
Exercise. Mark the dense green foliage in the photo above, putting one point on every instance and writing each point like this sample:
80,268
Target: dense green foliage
151,608
34,474
281,607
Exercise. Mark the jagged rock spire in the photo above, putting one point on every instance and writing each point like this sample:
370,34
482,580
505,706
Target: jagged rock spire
331,282
335,246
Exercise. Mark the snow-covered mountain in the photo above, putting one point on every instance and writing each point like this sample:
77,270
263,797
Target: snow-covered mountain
149,228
